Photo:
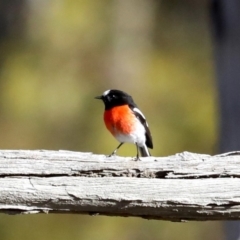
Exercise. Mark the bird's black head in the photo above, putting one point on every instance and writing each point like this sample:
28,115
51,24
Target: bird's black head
113,98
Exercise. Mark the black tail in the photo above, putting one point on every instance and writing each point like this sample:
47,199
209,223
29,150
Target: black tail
144,151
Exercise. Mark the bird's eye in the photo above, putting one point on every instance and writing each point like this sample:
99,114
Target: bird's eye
113,96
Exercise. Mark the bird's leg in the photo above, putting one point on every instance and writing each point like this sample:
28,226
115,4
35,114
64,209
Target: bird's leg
137,157
114,152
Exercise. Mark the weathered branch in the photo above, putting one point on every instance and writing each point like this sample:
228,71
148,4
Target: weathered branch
185,186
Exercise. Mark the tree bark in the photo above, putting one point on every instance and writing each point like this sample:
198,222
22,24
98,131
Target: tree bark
185,186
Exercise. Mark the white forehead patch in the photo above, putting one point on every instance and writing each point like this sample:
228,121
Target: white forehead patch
106,93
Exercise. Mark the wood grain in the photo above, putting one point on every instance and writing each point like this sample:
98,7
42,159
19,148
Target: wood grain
181,187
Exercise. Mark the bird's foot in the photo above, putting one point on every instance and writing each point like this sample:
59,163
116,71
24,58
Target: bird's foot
137,158
113,154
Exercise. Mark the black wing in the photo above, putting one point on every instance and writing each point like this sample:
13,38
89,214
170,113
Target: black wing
142,119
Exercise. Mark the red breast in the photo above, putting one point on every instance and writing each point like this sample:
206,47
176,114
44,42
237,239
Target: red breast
119,120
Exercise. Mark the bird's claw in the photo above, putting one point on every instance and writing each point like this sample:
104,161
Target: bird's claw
137,158
112,155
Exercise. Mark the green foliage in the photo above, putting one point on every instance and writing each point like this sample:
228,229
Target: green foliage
49,80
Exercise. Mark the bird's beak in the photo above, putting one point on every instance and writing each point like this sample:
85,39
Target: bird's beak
98,97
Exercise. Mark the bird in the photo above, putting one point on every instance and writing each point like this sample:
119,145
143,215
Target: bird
126,122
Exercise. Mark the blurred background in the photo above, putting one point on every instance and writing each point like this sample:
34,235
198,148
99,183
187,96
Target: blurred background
56,56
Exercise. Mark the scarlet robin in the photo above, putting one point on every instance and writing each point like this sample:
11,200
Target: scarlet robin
125,121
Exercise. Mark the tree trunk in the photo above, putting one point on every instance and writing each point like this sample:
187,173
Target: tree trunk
226,28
